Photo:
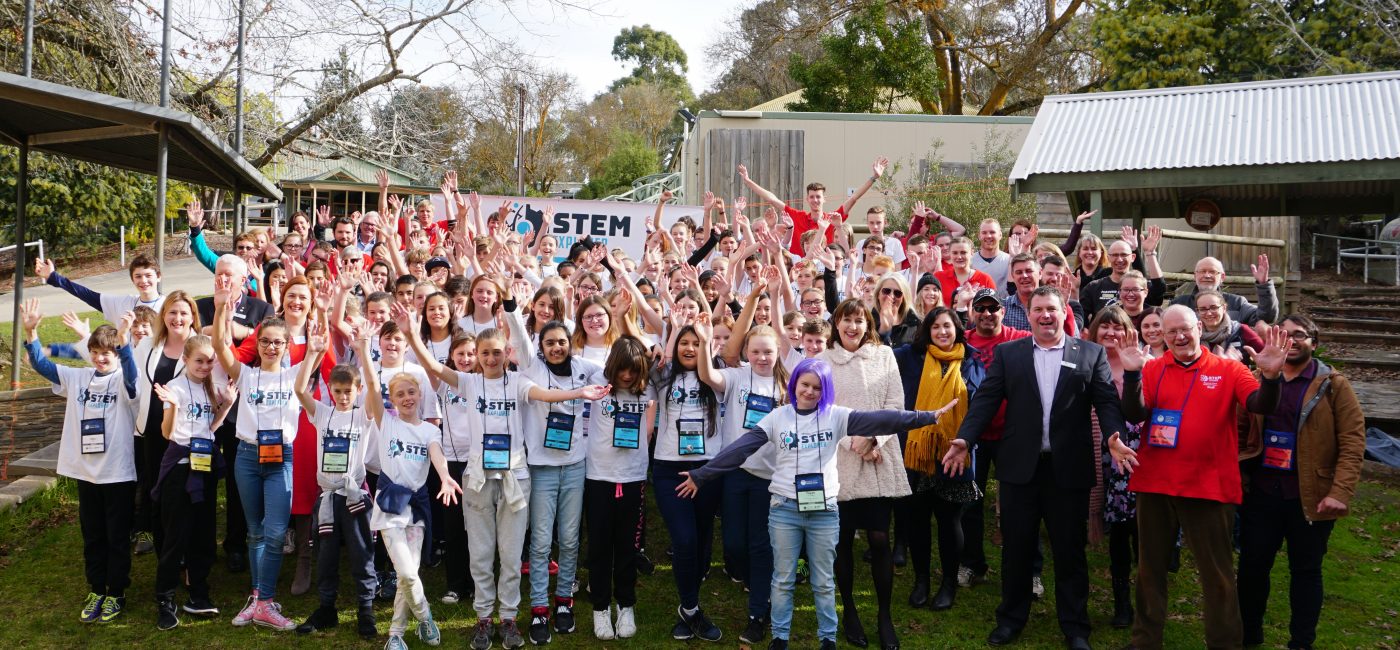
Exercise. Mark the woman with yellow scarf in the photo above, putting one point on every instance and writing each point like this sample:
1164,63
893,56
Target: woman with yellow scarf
939,366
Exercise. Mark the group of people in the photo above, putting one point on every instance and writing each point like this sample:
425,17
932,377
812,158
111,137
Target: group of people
409,391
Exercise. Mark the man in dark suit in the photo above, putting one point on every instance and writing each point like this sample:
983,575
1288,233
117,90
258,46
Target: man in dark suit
1047,461
231,274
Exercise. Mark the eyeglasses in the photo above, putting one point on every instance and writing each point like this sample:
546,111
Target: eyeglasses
812,303
987,308
593,318
272,343
1299,335
587,287
891,291
245,248
1210,308
1131,290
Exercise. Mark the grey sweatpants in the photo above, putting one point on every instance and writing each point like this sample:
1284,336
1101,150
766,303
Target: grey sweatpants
493,526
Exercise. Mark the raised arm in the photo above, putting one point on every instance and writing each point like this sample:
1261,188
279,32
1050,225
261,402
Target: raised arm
30,317
316,343
408,323
732,347
44,268
768,197
621,278
877,169
705,365
222,337
374,407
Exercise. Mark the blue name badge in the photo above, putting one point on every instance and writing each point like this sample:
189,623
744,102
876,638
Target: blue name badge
690,437
811,492
755,407
1163,428
269,445
335,455
93,436
495,454
201,454
627,430
1278,449
559,431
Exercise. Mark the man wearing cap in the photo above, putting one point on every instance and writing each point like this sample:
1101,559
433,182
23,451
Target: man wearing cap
438,269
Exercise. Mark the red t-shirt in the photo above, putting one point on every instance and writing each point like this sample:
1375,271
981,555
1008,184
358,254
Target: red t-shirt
948,279
803,221
435,230
984,346
1205,462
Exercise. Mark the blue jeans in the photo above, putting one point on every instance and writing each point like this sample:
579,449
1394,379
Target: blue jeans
691,524
788,528
556,507
745,535
266,489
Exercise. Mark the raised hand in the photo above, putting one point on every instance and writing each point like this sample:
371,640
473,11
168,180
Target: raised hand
740,203
395,204
79,326
744,173
1015,245
43,268
30,316
1085,216
935,259
920,209
450,178
323,215
878,168
124,325
1270,360
1130,235
703,329
666,196
1151,237
1130,354
709,200
195,214
316,339
1260,270
165,395
382,178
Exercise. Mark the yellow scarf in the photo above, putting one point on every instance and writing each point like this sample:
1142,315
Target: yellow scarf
927,445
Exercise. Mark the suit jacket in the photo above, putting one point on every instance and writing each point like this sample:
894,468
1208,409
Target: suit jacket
1011,377
250,313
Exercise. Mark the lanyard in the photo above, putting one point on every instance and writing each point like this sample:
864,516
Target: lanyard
505,394
797,440
331,420
1194,373
105,391
257,414
190,388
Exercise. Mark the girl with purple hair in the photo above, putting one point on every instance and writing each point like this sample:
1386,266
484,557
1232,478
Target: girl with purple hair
805,484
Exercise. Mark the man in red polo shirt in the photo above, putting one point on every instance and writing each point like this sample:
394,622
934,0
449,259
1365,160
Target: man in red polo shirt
1187,471
816,199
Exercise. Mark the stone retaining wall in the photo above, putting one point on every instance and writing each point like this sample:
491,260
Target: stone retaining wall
30,419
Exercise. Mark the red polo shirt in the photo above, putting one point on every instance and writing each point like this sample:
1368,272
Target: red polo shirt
803,221
1205,462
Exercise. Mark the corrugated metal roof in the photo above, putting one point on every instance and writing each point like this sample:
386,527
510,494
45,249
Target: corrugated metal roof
1314,120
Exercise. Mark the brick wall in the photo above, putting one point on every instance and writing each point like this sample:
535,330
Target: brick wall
30,419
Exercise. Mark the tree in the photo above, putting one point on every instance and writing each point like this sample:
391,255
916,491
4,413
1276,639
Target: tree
756,51
658,57
630,158
489,160
1156,44
419,129
867,68
644,110
346,123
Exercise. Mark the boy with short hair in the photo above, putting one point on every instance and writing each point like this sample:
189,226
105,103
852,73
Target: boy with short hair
144,274
97,451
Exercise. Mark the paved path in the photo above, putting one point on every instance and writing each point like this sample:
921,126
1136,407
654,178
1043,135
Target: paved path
183,273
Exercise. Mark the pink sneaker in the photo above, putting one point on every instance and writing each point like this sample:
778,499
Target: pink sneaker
245,615
269,614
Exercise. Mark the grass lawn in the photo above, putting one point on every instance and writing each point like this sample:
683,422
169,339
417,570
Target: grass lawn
41,575
51,330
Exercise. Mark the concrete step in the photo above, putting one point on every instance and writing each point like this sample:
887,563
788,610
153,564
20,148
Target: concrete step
1360,337
1389,326
1376,359
24,489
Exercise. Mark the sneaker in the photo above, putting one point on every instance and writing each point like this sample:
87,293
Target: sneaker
395,643
553,568
700,625
364,624
964,576
681,630
429,633
439,552
1037,587
644,564
145,543
481,636
564,615
388,586
111,608
510,635
451,598
539,626
269,614
755,631
166,618
92,608
602,624
200,606
778,644
626,623
245,615
324,618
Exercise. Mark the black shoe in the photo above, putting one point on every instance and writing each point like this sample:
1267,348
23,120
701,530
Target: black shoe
439,552
755,631
1174,563
828,644
1252,638
899,558
778,644
539,626
324,618
644,564
200,606
364,624
854,631
918,596
388,586
236,561
681,630
867,556
1123,607
889,640
1003,635
1077,643
564,617
700,625
946,592
166,618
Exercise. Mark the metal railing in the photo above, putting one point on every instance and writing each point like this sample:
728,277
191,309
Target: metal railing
39,243
1371,249
647,189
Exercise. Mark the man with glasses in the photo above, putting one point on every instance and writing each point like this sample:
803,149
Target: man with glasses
1186,473
1210,274
1301,465
1104,291
986,330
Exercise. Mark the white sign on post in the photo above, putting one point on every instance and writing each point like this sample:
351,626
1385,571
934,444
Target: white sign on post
618,224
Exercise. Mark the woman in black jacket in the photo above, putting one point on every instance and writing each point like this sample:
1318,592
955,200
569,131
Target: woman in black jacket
895,319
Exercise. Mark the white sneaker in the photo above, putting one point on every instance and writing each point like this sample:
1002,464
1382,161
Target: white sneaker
1037,587
964,576
451,598
602,625
626,623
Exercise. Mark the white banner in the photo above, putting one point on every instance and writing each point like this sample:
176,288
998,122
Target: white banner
618,224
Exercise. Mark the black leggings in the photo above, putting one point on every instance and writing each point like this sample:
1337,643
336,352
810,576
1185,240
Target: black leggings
922,507
1122,548
612,512
881,571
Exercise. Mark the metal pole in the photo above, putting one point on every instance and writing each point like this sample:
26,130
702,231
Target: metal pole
21,207
122,247
28,39
238,213
162,153
520,144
